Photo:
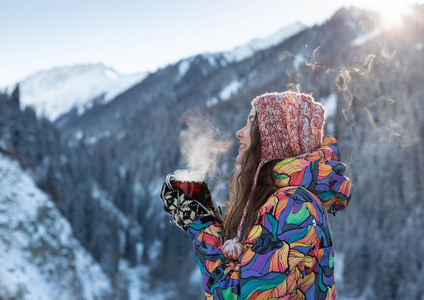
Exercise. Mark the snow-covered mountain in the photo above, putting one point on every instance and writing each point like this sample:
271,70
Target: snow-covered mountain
245,51
55,92
40,257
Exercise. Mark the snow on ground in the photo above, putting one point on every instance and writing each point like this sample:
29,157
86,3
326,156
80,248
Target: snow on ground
40,257
106,203
298,61
56,91
211,59
94,139
330,105
139,287
135,285
183,67
212,101
360,40
231,89
339,267
195,277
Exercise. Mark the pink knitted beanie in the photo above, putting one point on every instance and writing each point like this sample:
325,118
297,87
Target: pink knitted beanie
290,124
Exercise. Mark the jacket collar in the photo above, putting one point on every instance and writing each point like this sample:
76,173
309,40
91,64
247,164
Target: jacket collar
320,172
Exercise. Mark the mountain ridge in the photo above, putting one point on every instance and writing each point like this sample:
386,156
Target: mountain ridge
80,85
87,85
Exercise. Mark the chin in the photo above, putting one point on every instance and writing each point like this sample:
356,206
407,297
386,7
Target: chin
239,158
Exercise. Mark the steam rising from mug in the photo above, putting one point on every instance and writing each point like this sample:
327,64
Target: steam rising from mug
201,145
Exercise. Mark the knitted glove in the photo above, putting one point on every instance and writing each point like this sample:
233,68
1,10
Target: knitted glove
185,209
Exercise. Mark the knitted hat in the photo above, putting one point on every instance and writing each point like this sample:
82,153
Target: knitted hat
290,124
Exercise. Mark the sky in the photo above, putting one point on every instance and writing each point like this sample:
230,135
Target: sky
136,36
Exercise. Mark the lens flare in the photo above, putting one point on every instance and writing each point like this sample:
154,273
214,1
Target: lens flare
391,12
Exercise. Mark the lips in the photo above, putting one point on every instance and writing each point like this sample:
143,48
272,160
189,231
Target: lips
242,146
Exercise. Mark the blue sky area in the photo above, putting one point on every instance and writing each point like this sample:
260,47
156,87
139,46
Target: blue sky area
135,36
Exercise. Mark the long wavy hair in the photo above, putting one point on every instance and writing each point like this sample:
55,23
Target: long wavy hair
241,187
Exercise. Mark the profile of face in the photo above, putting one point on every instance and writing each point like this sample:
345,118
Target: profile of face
243,135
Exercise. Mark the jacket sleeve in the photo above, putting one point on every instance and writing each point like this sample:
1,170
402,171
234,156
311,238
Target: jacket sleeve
275,252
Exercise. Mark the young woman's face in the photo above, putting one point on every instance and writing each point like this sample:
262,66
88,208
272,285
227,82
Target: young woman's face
243,135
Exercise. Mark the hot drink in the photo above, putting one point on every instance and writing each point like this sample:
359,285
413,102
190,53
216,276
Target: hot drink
187,181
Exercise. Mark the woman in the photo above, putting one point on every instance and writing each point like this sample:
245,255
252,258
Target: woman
275,240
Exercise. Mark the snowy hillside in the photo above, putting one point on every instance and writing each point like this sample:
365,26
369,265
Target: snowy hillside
56,91
245,51
40,258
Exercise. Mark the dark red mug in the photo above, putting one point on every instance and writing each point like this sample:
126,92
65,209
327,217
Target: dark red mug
181,181
189,188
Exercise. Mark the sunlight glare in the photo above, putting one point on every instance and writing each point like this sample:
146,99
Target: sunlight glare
391,11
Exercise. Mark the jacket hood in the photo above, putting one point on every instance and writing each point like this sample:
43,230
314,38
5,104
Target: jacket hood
289,124
320,172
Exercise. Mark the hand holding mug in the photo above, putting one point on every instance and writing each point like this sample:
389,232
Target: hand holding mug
186,197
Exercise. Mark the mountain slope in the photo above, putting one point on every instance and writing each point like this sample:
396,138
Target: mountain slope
57,91
41,259
242,52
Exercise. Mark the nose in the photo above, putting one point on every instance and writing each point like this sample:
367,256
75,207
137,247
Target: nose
239,133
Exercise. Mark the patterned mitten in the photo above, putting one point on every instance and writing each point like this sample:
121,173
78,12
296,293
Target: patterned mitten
185,209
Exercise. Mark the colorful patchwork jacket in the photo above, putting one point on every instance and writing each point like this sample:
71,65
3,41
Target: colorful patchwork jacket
288,253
